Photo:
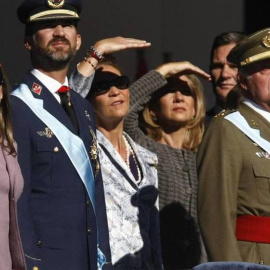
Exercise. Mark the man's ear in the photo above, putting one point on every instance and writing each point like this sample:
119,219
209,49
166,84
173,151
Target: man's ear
79,42
28,43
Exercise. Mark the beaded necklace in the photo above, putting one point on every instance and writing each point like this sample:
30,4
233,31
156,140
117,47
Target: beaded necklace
130,151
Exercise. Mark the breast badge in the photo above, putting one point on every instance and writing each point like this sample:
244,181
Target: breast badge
263,155
48,133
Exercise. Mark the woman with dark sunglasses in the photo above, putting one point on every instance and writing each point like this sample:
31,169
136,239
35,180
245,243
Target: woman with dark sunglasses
129,175
11,186
171,126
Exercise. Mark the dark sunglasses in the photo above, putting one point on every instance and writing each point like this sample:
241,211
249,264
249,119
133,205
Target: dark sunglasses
103,86
174,84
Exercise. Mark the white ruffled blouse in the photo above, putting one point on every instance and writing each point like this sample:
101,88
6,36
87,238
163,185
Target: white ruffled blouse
120,189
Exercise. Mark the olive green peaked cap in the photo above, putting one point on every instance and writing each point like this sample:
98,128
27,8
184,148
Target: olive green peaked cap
254,48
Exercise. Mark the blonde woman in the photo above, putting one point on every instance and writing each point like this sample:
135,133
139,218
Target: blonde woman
188,120
166,117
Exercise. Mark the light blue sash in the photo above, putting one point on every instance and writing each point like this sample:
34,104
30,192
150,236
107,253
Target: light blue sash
72,144
238,120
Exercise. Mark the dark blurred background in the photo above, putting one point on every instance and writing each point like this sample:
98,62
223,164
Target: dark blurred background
178,30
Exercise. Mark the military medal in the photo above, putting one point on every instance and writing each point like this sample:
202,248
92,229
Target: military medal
48,132
94,151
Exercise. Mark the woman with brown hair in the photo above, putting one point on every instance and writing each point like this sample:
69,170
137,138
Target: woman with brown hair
11,186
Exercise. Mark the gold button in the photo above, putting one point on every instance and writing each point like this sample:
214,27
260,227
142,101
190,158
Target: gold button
35,268
89,231
39,243
56,149
88,203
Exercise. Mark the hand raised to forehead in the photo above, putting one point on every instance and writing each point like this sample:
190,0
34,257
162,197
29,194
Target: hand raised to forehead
182,68
110,45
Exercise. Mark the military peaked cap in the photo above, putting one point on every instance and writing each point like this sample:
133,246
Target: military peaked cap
43,10
254,48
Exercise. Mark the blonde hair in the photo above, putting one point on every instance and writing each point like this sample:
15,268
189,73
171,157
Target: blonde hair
194,128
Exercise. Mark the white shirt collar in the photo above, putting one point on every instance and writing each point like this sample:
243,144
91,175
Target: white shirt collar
257,108
50,83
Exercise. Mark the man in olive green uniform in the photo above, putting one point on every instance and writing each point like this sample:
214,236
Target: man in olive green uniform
234,164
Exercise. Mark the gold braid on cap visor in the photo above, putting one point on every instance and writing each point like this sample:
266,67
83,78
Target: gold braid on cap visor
255,58
53,12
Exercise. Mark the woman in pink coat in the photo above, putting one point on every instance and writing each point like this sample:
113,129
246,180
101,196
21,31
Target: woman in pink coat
11,186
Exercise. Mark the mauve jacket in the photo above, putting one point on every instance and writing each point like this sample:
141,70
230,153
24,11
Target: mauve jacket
11,186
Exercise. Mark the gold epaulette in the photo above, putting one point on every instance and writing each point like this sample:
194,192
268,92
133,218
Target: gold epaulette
225,112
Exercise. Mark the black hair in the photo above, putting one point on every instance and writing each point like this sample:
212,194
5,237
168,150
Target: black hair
225,38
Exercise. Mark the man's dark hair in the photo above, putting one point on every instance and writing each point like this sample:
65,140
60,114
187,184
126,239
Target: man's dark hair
232,37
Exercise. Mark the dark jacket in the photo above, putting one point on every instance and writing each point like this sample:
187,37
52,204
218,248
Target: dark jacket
56,218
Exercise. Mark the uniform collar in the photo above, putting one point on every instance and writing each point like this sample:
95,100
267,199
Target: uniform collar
257,108
51,84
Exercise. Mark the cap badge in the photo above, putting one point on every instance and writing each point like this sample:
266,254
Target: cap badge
266,41
55,3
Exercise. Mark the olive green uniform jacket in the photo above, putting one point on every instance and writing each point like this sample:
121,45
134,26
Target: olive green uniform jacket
233,180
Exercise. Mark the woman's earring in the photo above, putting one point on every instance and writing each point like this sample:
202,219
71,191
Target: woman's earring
193,117
154,118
